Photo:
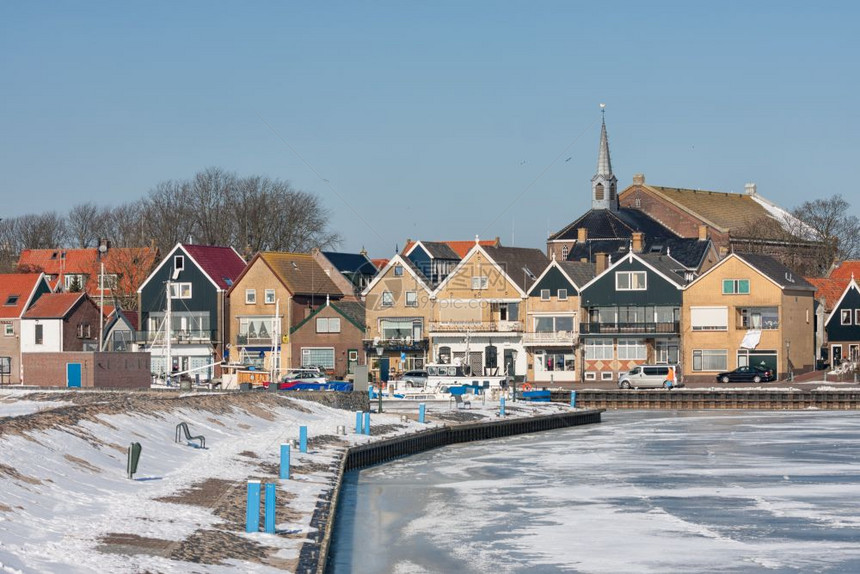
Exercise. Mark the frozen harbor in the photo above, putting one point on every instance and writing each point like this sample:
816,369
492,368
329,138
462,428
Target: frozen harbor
641,492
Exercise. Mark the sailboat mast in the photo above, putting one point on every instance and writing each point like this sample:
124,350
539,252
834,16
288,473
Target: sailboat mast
167,334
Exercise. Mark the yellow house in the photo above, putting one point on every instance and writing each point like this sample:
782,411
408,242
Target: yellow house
479,313
747,309
398,311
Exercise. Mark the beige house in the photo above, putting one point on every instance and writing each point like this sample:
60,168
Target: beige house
479,314
399,309
747,309
18,292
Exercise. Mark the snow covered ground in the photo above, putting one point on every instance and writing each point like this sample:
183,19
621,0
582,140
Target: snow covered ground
67,505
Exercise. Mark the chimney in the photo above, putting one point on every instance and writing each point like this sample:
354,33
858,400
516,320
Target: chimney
638,240
639,179
750,189
703,232
581,234
600,262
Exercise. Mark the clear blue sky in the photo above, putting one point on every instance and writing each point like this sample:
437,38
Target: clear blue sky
430,120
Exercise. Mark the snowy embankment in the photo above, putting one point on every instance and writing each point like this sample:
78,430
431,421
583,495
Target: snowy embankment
67,505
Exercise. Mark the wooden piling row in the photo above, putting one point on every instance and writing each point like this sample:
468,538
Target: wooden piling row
717,399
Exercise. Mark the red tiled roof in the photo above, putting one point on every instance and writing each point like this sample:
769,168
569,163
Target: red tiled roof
379,263
53,305
222,264
828,289
846,269
20,284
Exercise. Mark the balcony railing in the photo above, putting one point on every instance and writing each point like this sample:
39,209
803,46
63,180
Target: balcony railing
396,344
557,338
180,337
246,340
668,328
476,327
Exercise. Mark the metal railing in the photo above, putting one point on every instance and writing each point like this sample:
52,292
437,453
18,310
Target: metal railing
477,326
672,328
207,336
557,338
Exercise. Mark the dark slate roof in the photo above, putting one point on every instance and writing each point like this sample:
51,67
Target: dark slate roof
355,311
689,252
579,272
409,263
518,263
777,272
351,262
607,224
440,250
667,266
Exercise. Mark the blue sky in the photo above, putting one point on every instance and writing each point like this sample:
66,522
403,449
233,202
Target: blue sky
431,120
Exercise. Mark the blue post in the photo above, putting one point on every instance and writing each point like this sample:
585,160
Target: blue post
285,461
303,439
370,392
421,411
502,407
573,399
367,423
252,507
359,426
270,508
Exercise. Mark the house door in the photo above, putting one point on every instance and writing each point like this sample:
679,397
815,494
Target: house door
837,355
351,360
73,375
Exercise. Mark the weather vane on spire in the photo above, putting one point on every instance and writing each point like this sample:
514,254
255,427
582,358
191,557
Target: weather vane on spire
603,109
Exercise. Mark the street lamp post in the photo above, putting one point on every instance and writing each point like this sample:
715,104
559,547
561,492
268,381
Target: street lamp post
379,350
103,247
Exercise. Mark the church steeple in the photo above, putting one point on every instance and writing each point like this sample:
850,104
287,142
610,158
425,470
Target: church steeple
604,185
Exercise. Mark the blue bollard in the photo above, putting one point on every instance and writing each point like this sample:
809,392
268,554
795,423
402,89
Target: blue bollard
421,411
502,407
303,439
367,423
270,508
359,422
573,399
252,507
370,392
285,461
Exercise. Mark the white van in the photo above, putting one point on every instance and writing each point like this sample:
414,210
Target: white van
655,376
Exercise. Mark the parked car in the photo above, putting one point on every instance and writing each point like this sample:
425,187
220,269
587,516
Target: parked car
666,376
748,374
304,375
415,378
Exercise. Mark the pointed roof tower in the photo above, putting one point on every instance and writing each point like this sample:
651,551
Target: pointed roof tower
604,185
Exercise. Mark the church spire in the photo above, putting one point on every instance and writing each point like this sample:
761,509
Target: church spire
604,184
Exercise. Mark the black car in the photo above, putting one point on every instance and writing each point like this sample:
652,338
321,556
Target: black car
750,374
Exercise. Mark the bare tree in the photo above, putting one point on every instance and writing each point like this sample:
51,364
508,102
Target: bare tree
45,231
207,195
832,223
84,225
165,215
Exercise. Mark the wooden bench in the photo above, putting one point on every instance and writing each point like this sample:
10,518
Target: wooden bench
182,428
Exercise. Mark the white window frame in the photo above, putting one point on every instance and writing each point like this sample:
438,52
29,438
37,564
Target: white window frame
480,282
180,290
562,294
306,353
108,281
640,285
9,329
178,262
328,324
845,316
69,278
387,299
269,296
590,376
632,349
856,316
412,298
700,314
398,270
591,347
545,294
607,375
250,296
711,353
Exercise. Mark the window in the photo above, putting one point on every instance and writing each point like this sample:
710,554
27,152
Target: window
269,296
632,349
73,282
736,286
564,252
766,318
710,360
481,282
5,365
39,334
400,328
551,361
107,281
599,349
9,329
630,281
544,294
12,300
328,324
257,329
398,270
180,290
84,331
590,376
387,299
562,294
250,296
554,324
856,317
318,357
709,318
411,298
607,376
178,262
845,316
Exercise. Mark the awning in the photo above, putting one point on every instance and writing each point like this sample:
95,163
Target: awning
751,339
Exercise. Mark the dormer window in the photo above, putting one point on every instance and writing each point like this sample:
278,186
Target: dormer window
12,300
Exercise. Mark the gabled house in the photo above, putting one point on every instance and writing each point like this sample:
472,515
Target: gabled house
60,322
551,336
630,315
399,309
120,331
436,259
828,291
18,292
749,309
479,309
189,287
331,337
351,271
68,270
274,294
843,326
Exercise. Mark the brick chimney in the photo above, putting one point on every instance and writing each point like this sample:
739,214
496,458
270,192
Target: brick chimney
639,179
601,262
582,234
703,232
638,241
